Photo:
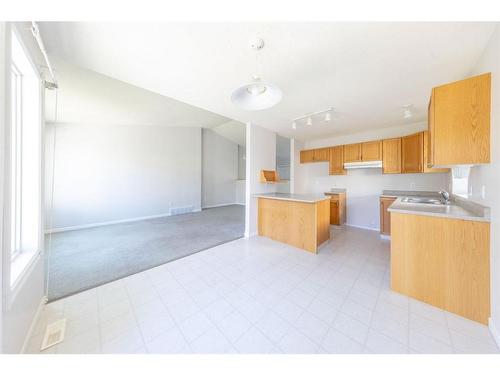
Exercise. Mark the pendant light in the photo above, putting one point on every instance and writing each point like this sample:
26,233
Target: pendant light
256,95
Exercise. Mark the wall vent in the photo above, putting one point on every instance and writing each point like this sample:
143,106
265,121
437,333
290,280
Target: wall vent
54,334
181,210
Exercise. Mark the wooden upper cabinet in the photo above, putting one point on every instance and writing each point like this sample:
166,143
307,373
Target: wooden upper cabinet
306,156
321,154
427,166
391,155
337,160
459,122
371,151
412,148
352,153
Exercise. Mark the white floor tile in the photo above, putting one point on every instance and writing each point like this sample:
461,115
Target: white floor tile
218,310
287,310
337,343
211,342
294,342
169,342
254,341
430,328
428,345
234,326
323,311
311,326
273,326
195,326
87,342
379,343
351,327
356,311
126,343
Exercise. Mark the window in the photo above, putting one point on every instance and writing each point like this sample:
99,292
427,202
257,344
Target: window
25,160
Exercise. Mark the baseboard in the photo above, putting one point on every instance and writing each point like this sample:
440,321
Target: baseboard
33,324
385,237
221,205
363,227
494,331
248,235
104,223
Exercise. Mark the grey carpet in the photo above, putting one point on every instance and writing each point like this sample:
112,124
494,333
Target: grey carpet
82,259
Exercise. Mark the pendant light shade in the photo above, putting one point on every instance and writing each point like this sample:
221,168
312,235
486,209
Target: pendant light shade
256,95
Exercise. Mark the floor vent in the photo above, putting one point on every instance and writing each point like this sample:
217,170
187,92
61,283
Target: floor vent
54,334
181,210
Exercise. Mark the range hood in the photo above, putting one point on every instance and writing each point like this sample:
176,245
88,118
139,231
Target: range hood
363,164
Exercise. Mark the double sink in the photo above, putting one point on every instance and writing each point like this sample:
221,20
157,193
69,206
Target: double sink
423,200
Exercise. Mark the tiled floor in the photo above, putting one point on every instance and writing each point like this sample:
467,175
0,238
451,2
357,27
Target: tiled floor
261,296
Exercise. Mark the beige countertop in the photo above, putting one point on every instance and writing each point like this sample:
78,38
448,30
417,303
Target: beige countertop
335,191
458,208
308,198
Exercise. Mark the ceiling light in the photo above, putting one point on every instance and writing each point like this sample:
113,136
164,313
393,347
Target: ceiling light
328,116
309,121
256,95
294,125
407,111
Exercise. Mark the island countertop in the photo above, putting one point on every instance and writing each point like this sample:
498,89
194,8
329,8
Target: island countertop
307,198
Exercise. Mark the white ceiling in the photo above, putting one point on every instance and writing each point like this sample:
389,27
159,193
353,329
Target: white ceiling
366,71
233,130
86,97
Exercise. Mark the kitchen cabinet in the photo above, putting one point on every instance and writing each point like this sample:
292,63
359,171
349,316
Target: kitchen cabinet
337,160
321,154
315,155
391,155
459,122
444,262
412,148
385,215
338,209
306,156
352,153
371,151
427,166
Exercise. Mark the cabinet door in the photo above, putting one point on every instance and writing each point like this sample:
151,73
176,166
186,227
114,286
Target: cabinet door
385,215
321,154
391,155
352,153
371,151
337,160
427,166
306,156
412,148
334,212
460,130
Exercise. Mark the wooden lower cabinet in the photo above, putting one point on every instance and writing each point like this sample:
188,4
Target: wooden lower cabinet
297,223
443,262
338,209
385,215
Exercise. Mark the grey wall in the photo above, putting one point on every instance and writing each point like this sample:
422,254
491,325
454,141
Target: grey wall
116,172
220,169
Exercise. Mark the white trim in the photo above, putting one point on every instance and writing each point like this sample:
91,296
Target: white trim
27,338
494,331
104,223
253,234
111,222
385,237
219,205
363,227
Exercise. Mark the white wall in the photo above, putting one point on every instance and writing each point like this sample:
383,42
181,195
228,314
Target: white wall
3,121
240,192
261,154
115,172
364,186
489,175
220,169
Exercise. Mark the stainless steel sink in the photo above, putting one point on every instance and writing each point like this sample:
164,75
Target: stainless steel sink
422,200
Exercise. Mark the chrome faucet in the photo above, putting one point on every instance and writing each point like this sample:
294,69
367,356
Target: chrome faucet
445,195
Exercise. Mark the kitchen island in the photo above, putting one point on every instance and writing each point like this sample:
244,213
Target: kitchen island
301,220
